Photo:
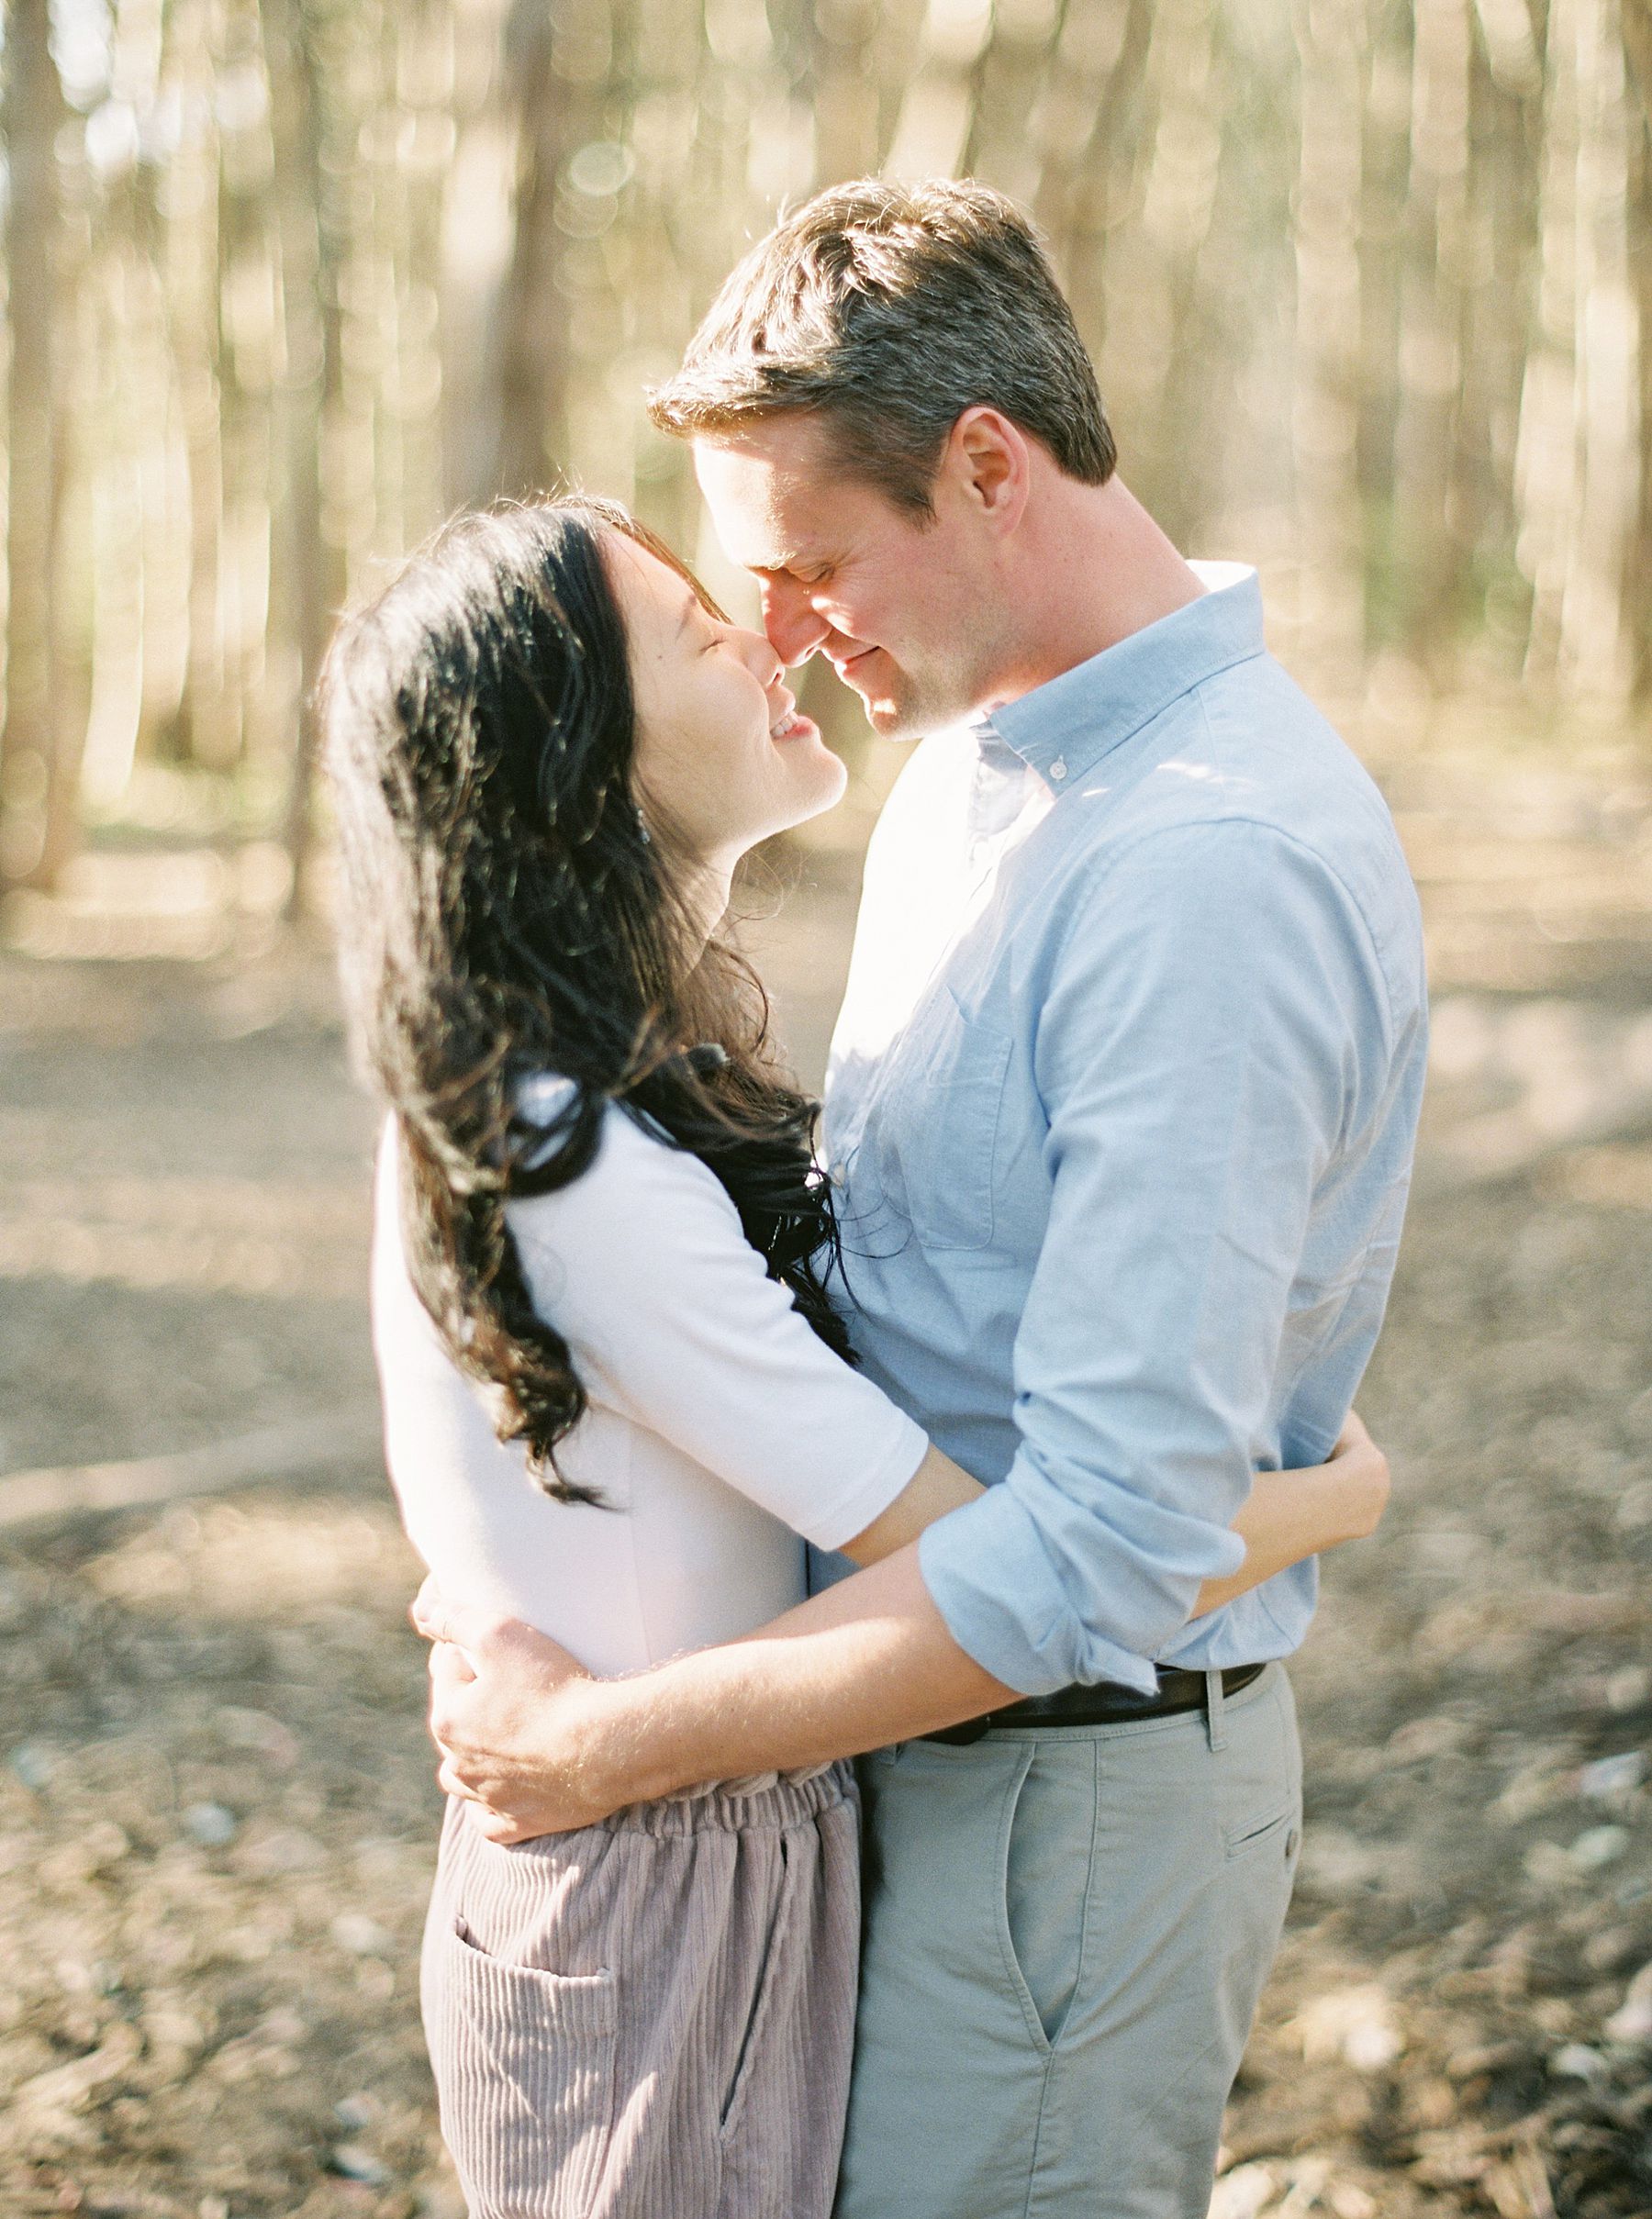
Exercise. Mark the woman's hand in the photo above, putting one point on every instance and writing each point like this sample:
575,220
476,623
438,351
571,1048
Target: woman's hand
1360,1481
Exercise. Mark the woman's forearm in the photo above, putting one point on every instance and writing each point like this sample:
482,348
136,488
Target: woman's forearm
936,1487
1289,1515
1283,1521
1292,1515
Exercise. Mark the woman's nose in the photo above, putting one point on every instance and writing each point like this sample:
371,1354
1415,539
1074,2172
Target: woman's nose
763,659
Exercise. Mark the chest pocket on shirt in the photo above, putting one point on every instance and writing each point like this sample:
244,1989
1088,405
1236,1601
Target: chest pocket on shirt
939,1125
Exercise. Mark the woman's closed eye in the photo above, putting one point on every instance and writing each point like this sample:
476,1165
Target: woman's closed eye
713,632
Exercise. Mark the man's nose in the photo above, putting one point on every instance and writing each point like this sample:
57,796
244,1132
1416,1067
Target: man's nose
795,628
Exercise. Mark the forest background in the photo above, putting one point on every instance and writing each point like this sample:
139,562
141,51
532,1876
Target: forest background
1369,286
1368,283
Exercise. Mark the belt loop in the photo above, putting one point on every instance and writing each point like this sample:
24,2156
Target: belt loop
1215,1720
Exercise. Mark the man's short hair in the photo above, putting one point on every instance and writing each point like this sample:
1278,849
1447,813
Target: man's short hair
888,310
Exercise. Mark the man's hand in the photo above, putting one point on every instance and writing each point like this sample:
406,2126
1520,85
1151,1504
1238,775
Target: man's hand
542,1747
509,1711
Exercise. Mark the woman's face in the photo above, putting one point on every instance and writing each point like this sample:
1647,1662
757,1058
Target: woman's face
723,756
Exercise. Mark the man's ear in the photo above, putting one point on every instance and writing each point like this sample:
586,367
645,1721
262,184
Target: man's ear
989,460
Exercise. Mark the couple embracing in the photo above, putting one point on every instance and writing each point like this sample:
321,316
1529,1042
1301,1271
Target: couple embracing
996,1453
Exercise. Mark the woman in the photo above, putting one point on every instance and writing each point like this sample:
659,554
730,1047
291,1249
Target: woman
617,1394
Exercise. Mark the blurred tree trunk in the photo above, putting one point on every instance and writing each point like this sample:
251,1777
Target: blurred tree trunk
1580,467
309,574
937,109
1429,539
191,253
1385,156
860,59
248,315
38,776
1638,41
1333,46
1160,264
1089,131
562,66
1010,86
477,231
1596,642
1505,126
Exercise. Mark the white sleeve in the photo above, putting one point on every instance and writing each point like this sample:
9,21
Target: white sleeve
672,1320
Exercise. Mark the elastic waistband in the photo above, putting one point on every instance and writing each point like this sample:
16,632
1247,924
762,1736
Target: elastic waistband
768,1801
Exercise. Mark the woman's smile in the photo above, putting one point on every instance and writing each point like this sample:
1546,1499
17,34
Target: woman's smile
709,694
792,724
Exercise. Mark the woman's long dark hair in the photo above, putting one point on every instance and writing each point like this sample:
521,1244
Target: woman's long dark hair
504,914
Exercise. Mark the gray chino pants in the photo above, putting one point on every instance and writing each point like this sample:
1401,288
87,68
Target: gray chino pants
1065,1936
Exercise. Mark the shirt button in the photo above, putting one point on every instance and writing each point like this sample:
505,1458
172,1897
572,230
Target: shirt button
1059,768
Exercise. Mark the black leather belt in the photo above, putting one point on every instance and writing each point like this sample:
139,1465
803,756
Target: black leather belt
1106,1705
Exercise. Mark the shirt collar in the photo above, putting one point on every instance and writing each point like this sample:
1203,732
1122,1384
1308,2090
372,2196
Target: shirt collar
1063,728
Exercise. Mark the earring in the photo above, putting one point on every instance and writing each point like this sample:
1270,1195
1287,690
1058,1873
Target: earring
642,832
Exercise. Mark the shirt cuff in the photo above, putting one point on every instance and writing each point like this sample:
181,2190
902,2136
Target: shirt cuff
990,1577
874,1490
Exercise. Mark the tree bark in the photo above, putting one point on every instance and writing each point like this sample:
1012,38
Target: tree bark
1579,410
1637,43
309,580
1428,536
37,782
1333,44
562,68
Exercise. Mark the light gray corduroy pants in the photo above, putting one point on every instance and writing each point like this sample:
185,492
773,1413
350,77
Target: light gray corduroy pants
651,2018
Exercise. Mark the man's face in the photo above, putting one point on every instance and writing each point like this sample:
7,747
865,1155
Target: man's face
893,601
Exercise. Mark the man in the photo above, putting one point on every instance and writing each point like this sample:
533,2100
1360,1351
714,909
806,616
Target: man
1122,1104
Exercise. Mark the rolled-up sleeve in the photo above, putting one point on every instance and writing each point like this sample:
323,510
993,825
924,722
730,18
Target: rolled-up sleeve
1201,1053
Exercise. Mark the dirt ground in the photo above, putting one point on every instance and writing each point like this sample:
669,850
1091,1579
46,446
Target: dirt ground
216,1807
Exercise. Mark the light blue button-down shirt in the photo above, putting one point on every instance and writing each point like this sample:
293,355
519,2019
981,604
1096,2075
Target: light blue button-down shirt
1122,1102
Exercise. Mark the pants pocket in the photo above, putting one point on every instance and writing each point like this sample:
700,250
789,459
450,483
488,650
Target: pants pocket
1261,1779
1045,1886
774,1980
1252,1834
524,2068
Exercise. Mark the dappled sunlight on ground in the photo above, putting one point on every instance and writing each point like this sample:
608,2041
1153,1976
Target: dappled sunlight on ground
238,1236
216,1802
